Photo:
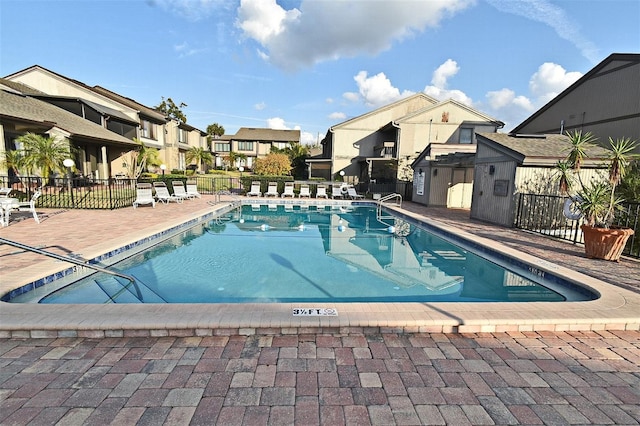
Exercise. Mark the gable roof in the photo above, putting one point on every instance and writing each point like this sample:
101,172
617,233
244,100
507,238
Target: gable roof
263,134
16,106
539,149
422,95
602,66
455,103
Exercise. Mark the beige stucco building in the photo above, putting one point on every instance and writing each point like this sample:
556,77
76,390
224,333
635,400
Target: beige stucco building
124,119
382,145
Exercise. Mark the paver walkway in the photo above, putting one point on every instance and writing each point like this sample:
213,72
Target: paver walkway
378,379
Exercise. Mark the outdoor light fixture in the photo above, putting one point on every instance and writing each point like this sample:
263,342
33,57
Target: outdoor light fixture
420,172
163,167
492,169
69,163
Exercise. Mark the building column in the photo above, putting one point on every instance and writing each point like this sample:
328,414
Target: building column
105,163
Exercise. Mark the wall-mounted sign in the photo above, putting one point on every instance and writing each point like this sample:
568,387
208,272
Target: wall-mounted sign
501,188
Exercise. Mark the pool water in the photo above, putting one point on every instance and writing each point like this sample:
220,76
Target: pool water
306,254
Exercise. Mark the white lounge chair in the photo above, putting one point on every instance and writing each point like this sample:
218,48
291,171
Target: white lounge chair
179,190
288,190
304,191
192,189
321,191
4,192
162,193
336,192
272,190
144,195
351,192
255,189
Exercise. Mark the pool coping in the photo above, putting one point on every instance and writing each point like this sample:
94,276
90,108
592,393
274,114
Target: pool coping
616,309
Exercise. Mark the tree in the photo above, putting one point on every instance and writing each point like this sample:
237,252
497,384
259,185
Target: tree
274,164
297,154
44,153
233,157
12,161
199,155
140,158
171,110
215,129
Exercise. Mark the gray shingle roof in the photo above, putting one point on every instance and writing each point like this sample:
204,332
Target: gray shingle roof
19,107
255,134
549,146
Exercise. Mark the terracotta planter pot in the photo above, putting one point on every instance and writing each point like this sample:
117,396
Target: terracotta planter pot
607,244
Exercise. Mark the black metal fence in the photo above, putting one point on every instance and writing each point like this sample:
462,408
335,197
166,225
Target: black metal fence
543,214
83,193
115,193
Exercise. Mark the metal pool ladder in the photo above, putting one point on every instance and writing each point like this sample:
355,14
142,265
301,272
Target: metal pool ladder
68,259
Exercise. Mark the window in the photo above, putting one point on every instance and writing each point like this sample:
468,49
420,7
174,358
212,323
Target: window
148,130
466,135
222,147
281,145
183,136
245,146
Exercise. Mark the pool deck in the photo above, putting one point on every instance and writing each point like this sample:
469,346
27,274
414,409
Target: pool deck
89,365
88,233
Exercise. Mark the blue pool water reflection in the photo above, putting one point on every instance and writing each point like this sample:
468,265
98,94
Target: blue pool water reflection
307,254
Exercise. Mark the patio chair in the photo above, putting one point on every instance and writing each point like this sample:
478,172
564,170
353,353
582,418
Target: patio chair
30,206
162,193
336,191
179,190
321,191
272,190
4,192
351,192
304,191
144,195
255,189
288,190
192,189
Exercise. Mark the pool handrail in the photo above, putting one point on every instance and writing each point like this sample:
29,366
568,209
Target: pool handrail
75,262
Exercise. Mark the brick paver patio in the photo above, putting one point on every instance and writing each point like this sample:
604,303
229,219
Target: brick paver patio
336,379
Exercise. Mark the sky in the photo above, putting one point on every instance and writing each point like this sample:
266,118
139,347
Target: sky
312,64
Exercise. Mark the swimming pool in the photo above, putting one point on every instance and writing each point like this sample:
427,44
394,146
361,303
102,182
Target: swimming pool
302,253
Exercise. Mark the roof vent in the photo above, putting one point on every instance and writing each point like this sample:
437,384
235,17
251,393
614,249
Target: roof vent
523,135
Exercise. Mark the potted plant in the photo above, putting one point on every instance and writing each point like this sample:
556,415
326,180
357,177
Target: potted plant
596,200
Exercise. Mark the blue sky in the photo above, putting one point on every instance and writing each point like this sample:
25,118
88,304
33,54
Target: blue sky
311,64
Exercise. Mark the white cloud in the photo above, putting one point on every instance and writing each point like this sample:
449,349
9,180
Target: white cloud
337,116
377,90
553,16
327,30
260,106
351,96
184,49
276,123
307,138
550,80
440,80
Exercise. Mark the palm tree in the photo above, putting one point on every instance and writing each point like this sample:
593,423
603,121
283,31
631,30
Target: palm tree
12,160
141,158
233,157
44,153
199,155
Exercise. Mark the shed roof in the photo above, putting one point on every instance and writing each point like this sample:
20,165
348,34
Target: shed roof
548,148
